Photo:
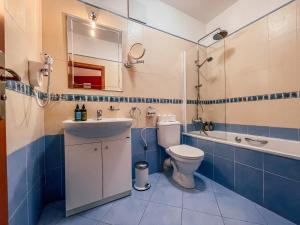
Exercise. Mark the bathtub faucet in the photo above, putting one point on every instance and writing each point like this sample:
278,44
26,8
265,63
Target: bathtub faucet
203,130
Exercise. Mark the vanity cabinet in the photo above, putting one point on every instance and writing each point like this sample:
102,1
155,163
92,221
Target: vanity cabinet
116,158
83,168
97,170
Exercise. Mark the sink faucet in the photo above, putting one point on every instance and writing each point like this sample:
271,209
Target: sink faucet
99,114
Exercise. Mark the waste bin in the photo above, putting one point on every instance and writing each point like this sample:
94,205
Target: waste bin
141,176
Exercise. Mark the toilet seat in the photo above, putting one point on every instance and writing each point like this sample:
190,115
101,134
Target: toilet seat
186,152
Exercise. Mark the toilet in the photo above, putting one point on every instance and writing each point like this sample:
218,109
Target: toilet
184,159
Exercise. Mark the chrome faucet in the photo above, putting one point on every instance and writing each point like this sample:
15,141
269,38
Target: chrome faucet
99,114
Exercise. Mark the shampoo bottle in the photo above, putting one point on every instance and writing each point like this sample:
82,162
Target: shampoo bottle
77,113
83,113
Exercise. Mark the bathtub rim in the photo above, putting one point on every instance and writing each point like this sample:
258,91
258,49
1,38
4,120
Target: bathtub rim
250,147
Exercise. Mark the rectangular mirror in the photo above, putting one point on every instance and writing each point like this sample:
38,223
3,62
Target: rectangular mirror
94,55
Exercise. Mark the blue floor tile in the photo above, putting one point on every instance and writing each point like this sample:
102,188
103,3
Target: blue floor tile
218,188
201,201
237,222
272,218
153,178
50,216
157,214
200,207
167,194
202,183
196,218
165,179
97,213
127,211
236,207
144,195
77,220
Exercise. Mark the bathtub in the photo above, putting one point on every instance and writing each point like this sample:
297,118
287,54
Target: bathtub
276,146
263,169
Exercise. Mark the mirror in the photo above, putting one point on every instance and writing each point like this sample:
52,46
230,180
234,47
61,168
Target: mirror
136,52
94,55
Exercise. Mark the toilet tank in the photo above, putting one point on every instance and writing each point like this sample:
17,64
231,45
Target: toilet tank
168,133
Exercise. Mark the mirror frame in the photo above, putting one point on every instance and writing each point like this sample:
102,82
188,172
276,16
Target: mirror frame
70,58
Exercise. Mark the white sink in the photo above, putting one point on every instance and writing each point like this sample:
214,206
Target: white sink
92,128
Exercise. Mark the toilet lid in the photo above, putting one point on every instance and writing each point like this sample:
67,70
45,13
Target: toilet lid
186,152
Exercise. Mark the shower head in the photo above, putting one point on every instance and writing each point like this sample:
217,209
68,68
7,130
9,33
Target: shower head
209,59
220,35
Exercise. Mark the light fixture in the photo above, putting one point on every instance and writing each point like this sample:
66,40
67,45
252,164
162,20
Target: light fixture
93,16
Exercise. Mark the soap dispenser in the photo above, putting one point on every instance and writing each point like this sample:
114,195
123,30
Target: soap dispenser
83,113
77,113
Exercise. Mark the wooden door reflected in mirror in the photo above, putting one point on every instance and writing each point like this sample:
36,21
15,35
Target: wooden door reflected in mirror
87,76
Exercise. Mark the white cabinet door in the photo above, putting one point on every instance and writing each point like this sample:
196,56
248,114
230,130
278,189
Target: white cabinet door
116,167
83,174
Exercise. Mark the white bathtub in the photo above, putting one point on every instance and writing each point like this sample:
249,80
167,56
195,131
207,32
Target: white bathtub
276,146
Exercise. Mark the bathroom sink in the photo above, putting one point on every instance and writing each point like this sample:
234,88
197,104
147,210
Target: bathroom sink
92,128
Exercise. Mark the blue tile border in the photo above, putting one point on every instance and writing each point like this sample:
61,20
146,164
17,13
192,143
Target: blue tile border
263,97
26,89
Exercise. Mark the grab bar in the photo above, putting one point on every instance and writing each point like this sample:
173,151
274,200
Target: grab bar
263,142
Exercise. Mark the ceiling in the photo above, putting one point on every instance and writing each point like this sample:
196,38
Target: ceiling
203,10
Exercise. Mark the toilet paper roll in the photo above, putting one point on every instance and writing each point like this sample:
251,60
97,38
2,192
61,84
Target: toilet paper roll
35,75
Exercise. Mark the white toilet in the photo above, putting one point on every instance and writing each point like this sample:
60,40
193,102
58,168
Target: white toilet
185,159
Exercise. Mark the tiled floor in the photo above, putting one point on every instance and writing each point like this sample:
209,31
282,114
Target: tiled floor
167,204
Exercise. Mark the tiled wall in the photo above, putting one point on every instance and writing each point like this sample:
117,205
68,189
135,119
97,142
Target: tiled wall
156,83
54,185
25,120
271,181
254,77
25,183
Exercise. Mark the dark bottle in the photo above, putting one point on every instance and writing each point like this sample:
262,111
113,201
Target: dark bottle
83,113
211,126
77,113
206,128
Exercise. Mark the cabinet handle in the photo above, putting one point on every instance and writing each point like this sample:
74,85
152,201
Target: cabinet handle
106,147
95,149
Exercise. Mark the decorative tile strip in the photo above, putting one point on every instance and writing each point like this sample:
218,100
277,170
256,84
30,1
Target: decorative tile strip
27,90
276,96
24,89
